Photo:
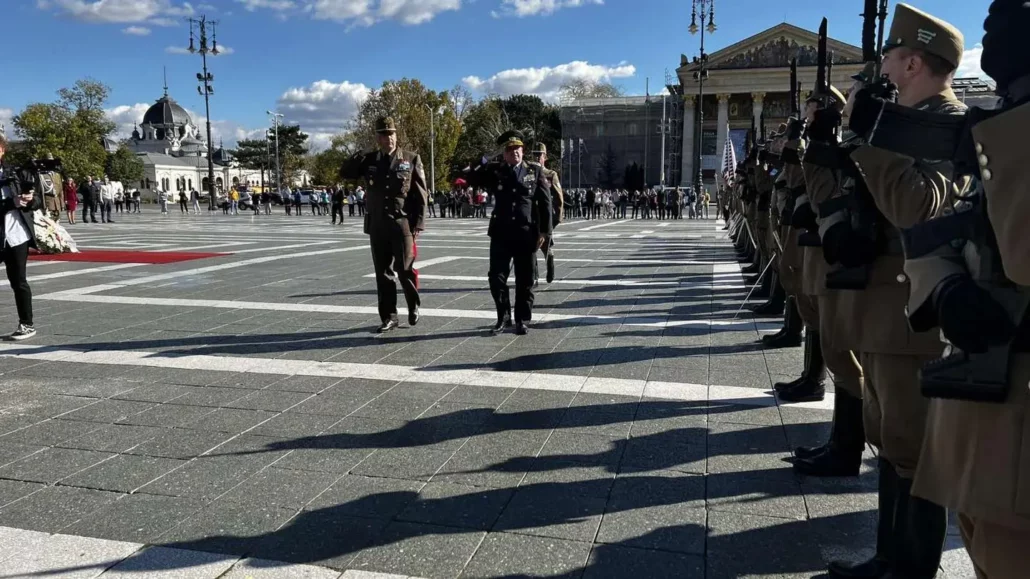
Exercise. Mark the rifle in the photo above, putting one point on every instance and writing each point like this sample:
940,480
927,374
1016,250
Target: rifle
859,204
963,375
822,84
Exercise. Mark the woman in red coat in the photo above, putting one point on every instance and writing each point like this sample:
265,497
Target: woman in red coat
71,198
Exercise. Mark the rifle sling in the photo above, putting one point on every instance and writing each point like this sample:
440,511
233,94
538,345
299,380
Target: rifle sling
918,134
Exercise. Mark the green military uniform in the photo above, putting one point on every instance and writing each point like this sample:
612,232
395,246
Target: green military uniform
557,206
395,211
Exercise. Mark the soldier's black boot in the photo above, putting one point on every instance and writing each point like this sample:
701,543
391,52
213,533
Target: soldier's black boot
764,289
784,386
503,321
550,266
920,528
813,387
774,305
790,335
885,536
842,455
750,269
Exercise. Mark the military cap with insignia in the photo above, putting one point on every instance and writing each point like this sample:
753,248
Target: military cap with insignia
539,149
386,125
510,139
913,28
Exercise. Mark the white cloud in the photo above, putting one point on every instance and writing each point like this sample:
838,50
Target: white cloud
207,8
137,31
522,8
970,64
368,12
323,108
5,120
546,81
117,11
125,117
252,5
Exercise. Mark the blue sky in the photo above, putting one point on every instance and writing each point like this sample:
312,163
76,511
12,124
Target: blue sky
315,59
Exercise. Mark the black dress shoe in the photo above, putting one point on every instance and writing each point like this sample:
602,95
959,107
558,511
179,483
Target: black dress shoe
502,322
521,329
830,463
413,316
872,569
809,451
782,339
809,390
781,386
751,269
387,326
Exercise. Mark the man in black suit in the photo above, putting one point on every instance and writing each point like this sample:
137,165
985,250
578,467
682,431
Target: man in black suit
519,226
20,195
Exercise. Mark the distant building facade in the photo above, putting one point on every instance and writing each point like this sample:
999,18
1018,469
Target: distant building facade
747,81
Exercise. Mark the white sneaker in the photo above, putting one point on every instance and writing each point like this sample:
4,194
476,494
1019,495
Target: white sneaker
22,333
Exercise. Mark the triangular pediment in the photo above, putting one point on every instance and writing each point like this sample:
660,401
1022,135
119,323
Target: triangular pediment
775,47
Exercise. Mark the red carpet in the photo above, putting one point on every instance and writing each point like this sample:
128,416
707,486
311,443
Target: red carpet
101,256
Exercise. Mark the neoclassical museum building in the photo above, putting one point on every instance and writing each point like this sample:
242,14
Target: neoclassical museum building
746,80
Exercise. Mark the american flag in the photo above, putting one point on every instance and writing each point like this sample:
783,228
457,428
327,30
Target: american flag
729,160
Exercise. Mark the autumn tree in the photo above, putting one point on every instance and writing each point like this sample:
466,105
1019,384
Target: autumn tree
417,110
588,89
606,167
124,165
73,128
324,166
489,118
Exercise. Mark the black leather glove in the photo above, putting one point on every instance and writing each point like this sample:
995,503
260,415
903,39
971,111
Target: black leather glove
824,124
970,318
841,244
804,217
1004,41
796,128
868,104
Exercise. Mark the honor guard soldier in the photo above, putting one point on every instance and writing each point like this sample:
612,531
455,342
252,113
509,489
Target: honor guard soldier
557,203
970,272
920,57
519,225
395,201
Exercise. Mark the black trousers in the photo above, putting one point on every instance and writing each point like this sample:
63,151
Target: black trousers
393,257
89,206
504,252
338,210
16,259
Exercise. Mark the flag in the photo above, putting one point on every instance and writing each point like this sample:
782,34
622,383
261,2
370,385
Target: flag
582,146
563,148
729,160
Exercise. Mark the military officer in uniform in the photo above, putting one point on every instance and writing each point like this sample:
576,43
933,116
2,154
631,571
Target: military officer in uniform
921,54
395,201
519,225
557,204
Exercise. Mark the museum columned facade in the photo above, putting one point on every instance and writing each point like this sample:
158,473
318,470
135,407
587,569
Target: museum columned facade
745,80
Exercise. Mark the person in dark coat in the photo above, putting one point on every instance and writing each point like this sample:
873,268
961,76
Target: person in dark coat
19,197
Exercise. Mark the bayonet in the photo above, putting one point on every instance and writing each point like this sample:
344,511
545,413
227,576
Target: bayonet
829,72
869,14
795,106
821,83
882,15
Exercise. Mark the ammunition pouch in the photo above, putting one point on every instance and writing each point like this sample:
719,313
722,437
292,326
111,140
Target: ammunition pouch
831,156
790,156
849,278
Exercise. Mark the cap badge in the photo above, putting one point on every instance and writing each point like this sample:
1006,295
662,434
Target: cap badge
925,36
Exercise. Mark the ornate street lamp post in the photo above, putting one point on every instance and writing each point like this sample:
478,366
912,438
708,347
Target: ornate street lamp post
701,6
205,89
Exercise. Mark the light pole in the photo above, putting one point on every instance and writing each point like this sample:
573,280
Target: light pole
205,89
278,169
432,150
701,74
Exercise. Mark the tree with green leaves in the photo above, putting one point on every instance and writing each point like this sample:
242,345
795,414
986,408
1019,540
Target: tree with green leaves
633,177
124,165
292,151
254,155
486,120
324,166
419,113
73,128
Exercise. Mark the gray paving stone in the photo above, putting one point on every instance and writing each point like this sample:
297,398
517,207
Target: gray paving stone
594,481
12,490
612,561
307,384
666,527
54,508
281,487
212,396
198,479
139,518
511,555
180,443
168,416
166,563
733,536
68,557
265,569
362,496
403,463
552,511
227,527
269,400
44,405
420,550
230,420
52,465
455,505
124,473
115,438
756,496
51,432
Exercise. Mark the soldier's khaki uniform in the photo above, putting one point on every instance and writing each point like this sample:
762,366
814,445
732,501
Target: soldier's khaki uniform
764,183
792,260
976,456
818,305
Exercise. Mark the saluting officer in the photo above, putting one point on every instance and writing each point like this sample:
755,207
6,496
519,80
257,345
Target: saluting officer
395,201
519,225
557,203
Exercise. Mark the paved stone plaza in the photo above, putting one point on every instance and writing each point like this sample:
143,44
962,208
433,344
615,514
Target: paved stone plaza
236,417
